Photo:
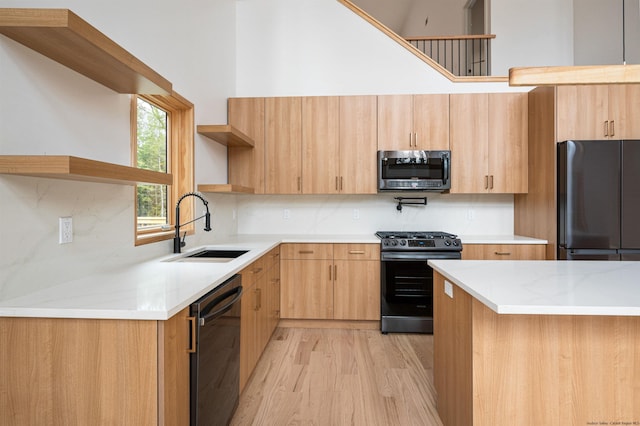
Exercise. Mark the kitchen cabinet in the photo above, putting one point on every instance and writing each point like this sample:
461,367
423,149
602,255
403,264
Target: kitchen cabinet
489,143
246,166
259,312
339,145
503,252
597,112
358,144
330,281
320,144
95,371
283,145
409,122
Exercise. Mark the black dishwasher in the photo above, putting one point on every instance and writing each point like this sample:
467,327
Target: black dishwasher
215,364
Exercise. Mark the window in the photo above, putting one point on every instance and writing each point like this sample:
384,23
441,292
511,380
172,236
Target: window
152,145
162,140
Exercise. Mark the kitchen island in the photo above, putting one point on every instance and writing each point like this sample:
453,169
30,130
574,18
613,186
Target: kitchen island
537,342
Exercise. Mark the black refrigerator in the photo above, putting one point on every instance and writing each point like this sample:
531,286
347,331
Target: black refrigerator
599,200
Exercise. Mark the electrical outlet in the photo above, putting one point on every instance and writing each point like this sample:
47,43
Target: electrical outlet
471,215
65,234
286,214
356,214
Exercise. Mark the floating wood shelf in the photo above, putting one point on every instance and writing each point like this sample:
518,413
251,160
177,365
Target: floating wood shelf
226,134
66,38
225,189
590,74
82,169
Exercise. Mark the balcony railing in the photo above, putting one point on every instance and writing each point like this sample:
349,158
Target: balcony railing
466,55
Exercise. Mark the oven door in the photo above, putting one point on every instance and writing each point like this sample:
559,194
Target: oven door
407,283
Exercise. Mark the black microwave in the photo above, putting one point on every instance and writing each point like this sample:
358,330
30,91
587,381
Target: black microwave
414,171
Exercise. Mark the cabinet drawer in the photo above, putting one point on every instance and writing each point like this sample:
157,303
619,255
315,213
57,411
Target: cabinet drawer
356,251
272,258
253,272
306,251
503,252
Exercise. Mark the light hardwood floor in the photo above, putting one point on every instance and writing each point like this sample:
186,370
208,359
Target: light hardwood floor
341,377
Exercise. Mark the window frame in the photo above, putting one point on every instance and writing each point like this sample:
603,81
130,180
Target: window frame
180,163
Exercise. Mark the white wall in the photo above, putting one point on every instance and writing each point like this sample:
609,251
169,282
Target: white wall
46,108
530,33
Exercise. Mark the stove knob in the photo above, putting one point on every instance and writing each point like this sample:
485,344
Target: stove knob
455,242
394,242
403,242
447,243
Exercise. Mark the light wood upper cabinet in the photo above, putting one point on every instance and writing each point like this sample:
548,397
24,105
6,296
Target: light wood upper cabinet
431,121
246,165
283,140
408,122
320,144
597,112
358,145
469,143
489,143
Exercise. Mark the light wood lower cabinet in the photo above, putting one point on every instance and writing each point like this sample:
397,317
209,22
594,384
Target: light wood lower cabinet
90,371
503,251
330,281
259,310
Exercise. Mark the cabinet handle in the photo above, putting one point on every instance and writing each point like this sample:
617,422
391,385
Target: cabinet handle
606,128
335,272
299,184
502,253
410,139
486,181
192,348
330,273
356,251
613,129
340,183
415,140
491,182
305,251
258,293
336,183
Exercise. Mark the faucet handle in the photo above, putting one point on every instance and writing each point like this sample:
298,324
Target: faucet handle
184,237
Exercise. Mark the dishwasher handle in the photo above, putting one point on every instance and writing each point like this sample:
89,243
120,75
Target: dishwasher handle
207,316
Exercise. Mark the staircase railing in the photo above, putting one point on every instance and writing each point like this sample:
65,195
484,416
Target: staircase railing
464,55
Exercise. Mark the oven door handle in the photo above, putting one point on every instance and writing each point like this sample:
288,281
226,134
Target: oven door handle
206,317
418,256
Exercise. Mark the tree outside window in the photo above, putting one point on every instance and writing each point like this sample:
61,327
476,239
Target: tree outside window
152,147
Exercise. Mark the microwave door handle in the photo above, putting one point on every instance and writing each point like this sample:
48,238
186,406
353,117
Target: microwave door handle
446,169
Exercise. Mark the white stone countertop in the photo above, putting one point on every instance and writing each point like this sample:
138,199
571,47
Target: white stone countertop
548,287
157,289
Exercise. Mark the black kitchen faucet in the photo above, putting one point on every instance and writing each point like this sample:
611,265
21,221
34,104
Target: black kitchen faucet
177,243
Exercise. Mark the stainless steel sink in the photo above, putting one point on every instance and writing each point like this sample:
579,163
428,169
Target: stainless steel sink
211,256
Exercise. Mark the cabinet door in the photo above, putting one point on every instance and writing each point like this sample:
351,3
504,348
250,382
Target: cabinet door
320,145
356,292
581,112
283,161
395,122
624,110
508,148
468,131
503,252
173,368
358,145
246,165
431,121
249,329
306,289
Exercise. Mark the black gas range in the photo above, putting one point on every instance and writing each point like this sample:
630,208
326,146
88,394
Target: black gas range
406,287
